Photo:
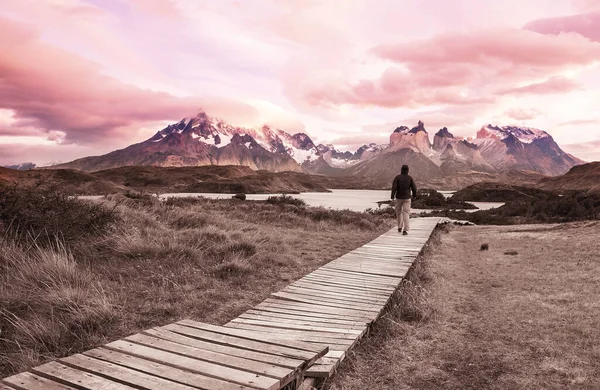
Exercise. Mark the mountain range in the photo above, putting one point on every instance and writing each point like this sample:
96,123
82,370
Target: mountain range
495,151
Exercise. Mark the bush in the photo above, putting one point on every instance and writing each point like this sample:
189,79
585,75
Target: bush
286,199
544,209
44,214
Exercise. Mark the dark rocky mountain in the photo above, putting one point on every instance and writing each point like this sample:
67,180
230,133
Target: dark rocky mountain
491,155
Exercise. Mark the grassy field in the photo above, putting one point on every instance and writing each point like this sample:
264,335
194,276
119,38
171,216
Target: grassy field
524,314
132,263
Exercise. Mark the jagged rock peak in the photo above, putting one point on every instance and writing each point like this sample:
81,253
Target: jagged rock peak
419,127
405,130
444,133
401,129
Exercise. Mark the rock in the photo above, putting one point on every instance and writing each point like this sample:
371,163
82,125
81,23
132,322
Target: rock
239,196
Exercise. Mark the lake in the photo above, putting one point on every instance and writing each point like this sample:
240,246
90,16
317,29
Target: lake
356,200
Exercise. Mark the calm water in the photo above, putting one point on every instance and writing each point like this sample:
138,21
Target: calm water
356,200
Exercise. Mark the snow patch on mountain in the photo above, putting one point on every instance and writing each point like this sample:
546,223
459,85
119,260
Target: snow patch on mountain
526,135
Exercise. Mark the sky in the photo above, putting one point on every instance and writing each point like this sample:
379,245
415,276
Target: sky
85,77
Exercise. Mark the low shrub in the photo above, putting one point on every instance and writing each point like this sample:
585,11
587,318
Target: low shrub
286,199
44,214
550,208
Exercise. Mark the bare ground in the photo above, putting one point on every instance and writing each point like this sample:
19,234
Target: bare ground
524,314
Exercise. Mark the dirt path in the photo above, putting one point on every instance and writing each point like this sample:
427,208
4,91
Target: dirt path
524,314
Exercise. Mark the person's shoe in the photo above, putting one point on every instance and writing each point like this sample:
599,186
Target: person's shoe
405,233
399,230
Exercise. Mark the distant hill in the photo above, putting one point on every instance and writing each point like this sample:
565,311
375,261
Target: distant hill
497,192
585,178
68,180
219,179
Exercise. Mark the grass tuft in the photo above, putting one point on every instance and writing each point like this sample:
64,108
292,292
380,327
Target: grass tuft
49,305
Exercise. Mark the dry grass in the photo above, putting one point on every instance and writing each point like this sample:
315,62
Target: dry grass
160,262
528,320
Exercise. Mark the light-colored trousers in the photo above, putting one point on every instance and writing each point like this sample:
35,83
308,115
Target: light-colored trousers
403,213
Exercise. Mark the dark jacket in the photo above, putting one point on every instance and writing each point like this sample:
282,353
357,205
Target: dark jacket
402,185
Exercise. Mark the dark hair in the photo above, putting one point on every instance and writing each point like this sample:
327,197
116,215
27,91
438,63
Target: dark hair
404,169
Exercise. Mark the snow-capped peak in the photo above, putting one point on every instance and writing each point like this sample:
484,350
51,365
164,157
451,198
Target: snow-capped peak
524,134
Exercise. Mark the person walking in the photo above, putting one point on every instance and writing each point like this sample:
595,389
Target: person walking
401,187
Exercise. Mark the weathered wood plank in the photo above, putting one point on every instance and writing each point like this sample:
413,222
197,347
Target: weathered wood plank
287,325
349,291
241,343
120,374
30,381
193,365
163,371
337,295
77,378
325,302
214,357
269,316
224,349
316,308
249,336
309,312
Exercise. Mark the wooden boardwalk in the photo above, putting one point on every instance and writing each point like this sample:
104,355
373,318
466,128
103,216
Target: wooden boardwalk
304,330
334,305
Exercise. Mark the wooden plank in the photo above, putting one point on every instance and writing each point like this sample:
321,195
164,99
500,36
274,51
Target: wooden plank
332,294
378,279
354,286
302,319
321,371
241,343
306,336
358,269
358,289
77,378
31,381
326,302
281,361
214,357
308,312
161,370
352,291
249,336
197,366
316,308
120,374
287,325
356,283
335,295
343,290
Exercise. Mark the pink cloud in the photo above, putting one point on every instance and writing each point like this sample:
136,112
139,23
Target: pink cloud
586,5
522,114
588,151
553,85
51,89
461,69
587,25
